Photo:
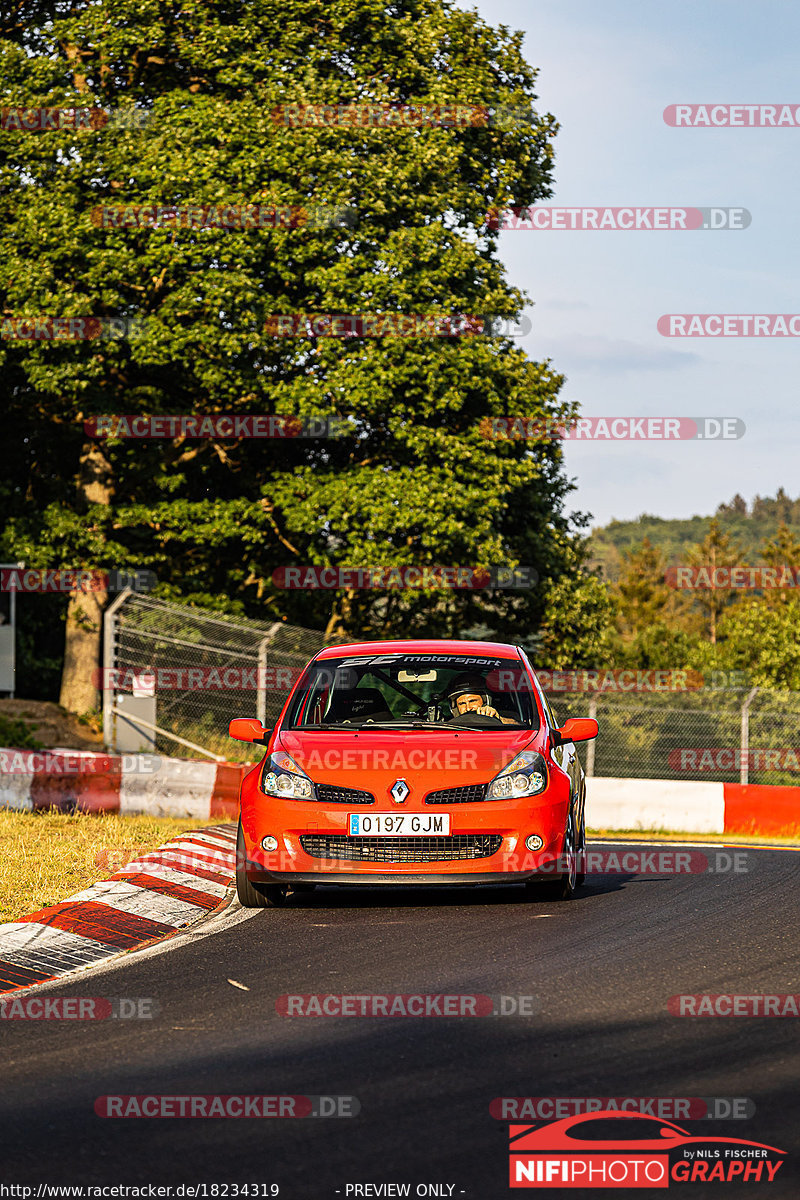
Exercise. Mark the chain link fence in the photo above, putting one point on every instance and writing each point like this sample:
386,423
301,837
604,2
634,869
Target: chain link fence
749,735
173,676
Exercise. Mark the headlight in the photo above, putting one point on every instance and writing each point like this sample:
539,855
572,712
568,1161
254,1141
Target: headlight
283,777
525,775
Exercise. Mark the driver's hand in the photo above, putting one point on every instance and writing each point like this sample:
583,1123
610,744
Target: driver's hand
486,710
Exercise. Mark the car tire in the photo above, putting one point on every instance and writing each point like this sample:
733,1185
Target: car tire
564,886
254,895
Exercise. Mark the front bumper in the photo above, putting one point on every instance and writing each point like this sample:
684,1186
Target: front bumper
485,824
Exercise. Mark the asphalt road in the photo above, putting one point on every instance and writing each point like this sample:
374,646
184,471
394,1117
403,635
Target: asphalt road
603,967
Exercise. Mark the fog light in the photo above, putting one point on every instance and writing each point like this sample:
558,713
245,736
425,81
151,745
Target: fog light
269,843
534,842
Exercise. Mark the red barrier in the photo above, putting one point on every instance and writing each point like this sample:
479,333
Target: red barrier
225,797
761,809
86,782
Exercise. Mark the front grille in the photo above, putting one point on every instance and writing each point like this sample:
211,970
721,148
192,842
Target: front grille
329,794
401,849
458,795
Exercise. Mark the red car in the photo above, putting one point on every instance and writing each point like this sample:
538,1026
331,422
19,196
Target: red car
413,762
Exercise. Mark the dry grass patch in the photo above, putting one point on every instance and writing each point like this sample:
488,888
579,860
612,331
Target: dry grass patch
46,857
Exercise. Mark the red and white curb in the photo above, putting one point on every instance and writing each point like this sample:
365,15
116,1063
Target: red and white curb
82,780
153,896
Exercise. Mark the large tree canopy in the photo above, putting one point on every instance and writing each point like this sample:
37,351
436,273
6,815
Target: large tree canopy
415,480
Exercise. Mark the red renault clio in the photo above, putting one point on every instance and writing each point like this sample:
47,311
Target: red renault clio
413,762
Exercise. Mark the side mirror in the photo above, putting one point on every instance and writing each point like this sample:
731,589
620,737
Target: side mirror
577,729
248,729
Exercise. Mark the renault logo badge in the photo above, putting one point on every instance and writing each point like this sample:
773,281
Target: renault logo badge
399,790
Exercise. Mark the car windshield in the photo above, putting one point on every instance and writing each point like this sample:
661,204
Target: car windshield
415,692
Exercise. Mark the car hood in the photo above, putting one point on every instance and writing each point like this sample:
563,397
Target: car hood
426,761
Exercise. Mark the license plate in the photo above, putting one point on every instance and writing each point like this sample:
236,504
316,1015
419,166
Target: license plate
397,824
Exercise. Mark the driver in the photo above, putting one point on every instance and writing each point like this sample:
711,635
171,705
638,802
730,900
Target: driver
467,695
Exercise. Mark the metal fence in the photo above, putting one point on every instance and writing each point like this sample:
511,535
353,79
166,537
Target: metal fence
173,676
733,736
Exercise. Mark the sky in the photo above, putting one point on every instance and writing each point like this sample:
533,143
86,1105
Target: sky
606,72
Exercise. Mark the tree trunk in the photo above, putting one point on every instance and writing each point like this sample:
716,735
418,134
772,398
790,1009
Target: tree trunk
79,692
340,620
84,629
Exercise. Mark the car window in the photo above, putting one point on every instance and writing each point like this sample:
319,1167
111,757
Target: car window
417,689
548,709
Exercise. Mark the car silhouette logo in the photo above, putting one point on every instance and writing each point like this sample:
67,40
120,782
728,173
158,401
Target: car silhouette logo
399,790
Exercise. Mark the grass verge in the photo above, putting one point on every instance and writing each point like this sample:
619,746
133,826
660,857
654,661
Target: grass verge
46,857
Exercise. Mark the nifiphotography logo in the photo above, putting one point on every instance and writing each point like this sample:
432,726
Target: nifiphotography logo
610,1150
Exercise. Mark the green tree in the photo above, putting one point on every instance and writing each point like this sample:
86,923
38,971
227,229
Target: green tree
761,639
642,594
780,552
715,551
577,620
416,480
